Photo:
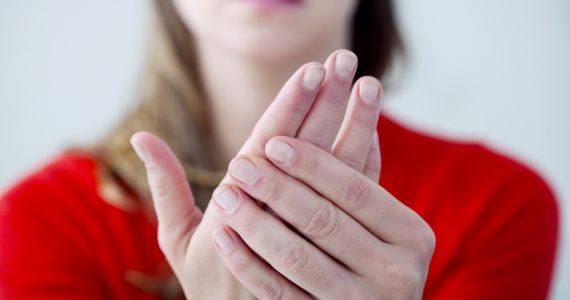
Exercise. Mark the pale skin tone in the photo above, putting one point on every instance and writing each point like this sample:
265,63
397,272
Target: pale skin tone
313,160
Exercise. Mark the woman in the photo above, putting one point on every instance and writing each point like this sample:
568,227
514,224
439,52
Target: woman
299,213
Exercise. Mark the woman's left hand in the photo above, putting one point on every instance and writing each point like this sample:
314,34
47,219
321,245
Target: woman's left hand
351,239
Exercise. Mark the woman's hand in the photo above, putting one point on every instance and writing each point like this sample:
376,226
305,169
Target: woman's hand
306,108
352,239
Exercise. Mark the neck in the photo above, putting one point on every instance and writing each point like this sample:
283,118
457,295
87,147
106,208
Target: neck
239,89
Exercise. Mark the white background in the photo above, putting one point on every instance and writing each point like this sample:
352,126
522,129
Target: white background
497,71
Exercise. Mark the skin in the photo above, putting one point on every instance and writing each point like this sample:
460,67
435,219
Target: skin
252,53
348,237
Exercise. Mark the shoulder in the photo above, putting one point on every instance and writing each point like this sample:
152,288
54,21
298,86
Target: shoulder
45,220
63,177
66,183
65,169
73,180
60,198
60,205
54,220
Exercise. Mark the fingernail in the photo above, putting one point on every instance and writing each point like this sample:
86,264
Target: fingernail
345,64
226,198
369,91
313,77
280,151
223,241
244,171
141,153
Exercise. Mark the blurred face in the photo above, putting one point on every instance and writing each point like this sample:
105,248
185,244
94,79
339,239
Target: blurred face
268,30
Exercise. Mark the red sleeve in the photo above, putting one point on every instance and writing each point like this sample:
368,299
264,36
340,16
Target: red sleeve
510,255
44,250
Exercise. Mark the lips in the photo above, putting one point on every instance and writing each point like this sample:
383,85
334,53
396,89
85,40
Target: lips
274,4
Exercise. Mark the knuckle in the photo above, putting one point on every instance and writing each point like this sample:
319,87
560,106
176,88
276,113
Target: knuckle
365,122
162,190
324,223
240,263
348,294
274,189
351,160
250,222
425,243
309,165
421,242
355,193
374,169
336,95
429,240
379,260
271,290
349,291
295,258
403,283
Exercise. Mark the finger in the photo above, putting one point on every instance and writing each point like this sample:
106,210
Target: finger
260,279
173,201
288,253
359,125
286,113
373,160
320,221
363,199
323,121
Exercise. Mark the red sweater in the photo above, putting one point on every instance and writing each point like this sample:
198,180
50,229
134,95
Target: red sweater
496,224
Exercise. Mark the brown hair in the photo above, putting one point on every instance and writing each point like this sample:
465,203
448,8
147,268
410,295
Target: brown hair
172,107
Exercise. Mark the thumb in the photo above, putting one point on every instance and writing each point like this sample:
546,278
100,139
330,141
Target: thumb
174,204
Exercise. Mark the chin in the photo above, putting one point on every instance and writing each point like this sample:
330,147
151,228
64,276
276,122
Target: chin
268,31
273,48
294,43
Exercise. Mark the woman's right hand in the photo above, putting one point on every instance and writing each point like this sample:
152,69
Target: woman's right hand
308,108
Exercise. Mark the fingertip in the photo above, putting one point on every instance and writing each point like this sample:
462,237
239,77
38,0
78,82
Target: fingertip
159,159
146,140
369,90
135,138
149,147
344,63
138,145
223,240
301,71
340,51
332,57
313,76
280,151
279,139
314,64
282,138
